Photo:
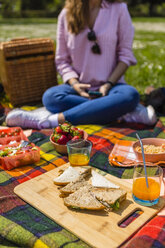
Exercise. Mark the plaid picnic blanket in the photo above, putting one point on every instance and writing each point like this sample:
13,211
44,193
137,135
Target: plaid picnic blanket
23,226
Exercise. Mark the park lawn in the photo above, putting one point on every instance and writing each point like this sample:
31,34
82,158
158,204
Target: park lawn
149,50
148,46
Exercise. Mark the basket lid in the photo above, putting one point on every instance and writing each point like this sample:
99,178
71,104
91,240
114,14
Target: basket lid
27,47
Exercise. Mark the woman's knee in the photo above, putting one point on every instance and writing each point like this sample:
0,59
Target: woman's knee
132,97
48,95
52,97
128,96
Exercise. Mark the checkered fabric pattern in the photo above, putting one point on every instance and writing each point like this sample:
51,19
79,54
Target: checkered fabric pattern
23,226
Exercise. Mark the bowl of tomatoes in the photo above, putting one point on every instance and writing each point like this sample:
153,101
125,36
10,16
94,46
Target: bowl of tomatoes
64,133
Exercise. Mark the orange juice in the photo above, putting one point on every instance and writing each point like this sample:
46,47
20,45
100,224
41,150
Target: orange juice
141,191
78,159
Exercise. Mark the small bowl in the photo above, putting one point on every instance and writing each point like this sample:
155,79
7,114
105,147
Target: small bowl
150,157
63,148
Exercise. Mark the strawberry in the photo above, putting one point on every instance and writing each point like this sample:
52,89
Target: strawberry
63,140
65,127
77,132
58,129
69,136
76,137
56,137
73,131
53,138
81,132
65,132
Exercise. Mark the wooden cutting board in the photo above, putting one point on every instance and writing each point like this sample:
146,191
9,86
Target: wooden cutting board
96,228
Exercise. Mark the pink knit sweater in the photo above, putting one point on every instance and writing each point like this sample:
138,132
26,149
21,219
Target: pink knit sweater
114,32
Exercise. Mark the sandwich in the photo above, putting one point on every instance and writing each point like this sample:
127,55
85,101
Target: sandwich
84,188
110,198
80,182
98,180
70,174
83,199
92,198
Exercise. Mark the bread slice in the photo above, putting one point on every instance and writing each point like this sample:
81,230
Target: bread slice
75,185
83,199
70,175
100,181
110,198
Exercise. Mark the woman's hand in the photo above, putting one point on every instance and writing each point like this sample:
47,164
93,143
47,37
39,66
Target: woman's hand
81,89
105,88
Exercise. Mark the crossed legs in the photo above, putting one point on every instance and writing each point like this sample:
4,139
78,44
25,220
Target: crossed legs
64,100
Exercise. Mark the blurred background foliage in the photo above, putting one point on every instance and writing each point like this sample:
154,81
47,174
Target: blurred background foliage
51,8
30,8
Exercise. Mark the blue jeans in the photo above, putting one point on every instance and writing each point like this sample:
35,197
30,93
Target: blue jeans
120,100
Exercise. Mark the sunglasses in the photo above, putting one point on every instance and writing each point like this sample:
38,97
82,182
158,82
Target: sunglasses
92,37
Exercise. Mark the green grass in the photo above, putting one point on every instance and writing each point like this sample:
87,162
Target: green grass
148,19
17,21
149,46
52,20
149,50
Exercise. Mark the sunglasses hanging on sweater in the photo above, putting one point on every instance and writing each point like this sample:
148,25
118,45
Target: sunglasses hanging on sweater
92,37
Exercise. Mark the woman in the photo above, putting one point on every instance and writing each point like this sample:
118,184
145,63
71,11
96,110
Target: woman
94,50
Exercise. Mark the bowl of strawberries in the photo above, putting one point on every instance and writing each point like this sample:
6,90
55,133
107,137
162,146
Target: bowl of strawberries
64,133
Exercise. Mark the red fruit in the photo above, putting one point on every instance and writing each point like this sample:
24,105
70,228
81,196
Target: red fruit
56,137
77,132
73,131
81,132
69,136
53,138
65,132
58,129
63,140
65,127
73,128
76,137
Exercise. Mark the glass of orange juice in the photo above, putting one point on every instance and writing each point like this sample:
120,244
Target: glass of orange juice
79,152
143,195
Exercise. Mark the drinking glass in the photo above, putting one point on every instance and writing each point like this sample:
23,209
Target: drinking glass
79,152
143,195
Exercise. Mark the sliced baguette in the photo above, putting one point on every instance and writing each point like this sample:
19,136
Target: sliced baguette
83,199
100,181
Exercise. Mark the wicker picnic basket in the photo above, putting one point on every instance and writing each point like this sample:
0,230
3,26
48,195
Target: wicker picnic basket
27,69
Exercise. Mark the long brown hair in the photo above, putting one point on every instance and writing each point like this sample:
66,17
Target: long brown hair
78,14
